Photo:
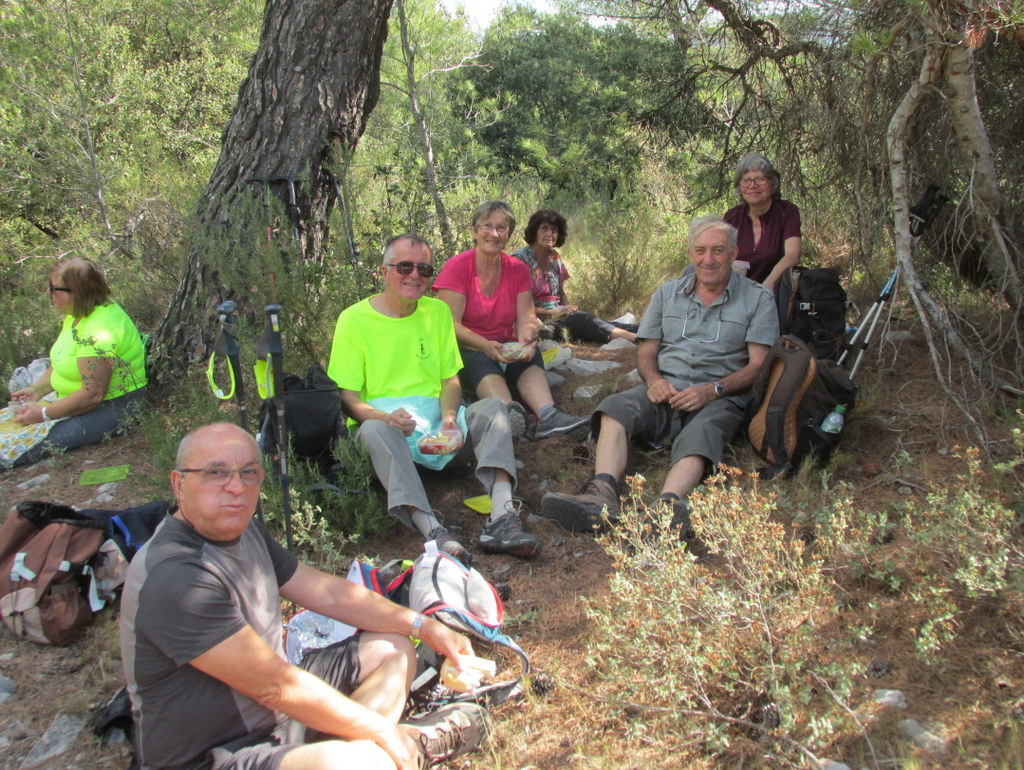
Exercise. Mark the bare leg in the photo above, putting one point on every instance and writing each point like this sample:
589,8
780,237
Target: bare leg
684,475
534,389
618,333
332,754
612,448
388,665
493,386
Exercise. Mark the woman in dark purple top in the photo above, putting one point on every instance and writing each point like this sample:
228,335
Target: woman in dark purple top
769,227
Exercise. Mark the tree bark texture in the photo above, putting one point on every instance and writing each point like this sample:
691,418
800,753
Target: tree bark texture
311,86
987,204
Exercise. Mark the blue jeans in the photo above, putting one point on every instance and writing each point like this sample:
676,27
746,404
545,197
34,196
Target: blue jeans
106,419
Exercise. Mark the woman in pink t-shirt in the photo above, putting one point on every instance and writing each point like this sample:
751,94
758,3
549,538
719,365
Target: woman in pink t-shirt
491,298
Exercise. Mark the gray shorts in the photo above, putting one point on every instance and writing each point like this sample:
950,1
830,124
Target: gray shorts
704,433
336,664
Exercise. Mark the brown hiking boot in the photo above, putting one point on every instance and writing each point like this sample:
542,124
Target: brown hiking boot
594,508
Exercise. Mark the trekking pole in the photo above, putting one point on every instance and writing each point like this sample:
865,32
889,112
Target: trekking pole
293,208
227,345
866,330
275,377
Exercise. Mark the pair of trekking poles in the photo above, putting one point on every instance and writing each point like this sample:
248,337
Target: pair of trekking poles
270,384
922,214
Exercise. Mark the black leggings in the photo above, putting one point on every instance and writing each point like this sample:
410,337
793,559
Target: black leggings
587,327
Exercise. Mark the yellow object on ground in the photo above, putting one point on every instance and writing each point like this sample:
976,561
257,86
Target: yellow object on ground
480,504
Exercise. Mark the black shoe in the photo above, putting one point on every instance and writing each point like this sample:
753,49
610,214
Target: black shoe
506,535
594,508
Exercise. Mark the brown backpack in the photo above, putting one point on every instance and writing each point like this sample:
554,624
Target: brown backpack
793,393
44,572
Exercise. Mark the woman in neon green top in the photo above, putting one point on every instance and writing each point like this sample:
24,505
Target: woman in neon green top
97,365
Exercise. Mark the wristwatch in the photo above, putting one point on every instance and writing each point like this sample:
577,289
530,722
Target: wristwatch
719,389
417,624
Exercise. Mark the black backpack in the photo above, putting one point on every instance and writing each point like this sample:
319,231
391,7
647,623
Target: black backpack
812,306
793,394
312,415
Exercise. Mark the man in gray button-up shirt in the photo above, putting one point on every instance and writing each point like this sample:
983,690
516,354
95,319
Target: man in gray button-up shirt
702,340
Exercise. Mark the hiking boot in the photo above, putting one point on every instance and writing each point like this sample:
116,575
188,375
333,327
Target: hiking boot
450,731
451,546
517,420
680,516
506,535
559,424
595,507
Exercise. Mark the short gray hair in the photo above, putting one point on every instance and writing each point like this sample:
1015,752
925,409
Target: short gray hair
487,208
700,224
389,247
755,161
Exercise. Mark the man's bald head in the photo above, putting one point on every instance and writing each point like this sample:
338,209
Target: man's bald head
214,433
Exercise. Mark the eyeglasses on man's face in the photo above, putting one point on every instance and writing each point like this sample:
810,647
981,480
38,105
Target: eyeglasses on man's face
423,269
754,181
221,477
59,288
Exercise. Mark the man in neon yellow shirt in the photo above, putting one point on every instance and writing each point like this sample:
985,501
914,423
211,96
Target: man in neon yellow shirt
396,360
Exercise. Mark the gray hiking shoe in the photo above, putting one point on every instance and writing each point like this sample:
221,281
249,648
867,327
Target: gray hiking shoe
559,424
594,508
451,546
517,420
506,535
451,731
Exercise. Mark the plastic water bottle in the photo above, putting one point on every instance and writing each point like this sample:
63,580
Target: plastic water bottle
835,420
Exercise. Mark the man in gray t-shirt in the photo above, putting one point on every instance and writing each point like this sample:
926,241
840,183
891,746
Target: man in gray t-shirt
202,649
702,340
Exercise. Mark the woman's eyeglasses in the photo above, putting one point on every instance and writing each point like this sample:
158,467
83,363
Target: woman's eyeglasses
756,181
424,269
59,288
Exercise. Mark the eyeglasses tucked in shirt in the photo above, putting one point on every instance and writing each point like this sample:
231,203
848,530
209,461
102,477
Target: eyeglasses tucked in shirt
220,477
424,269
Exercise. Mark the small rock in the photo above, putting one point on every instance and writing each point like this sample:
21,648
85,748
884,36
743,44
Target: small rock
891,698
35,481
899,335
7,685
106,497
922,738
558,542
828,764
7,697
554,379
943,451
618,344
626,318
520,465
581,367
115,736
6,657
109,486
4,742
543,485
57,739
586,391
533,519
879,668
633,378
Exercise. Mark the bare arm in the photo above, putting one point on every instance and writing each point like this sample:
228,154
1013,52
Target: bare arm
360,411
790,256
95,373
245,663
659,389
343,600
466,336
527,323
693,398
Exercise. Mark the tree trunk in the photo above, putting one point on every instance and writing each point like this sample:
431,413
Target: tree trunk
310,89
426,143
987,204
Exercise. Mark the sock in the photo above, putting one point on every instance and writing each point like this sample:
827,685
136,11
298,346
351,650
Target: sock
608,479
424,520
547,411
501,495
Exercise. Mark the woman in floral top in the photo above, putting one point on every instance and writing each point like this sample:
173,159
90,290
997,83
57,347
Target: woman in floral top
546,231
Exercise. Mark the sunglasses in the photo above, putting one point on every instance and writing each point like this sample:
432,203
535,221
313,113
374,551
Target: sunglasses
405,268
59,288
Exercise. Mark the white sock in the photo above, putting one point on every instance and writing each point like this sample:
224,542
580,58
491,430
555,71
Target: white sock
424,520
501,496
